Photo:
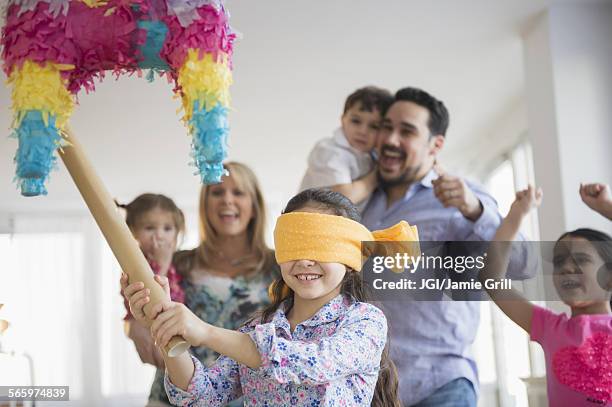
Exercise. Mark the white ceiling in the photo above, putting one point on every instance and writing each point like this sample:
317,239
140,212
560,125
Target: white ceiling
294,66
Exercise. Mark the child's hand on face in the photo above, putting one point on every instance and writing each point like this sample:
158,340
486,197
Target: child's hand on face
160,251
138,296
174,318
597,197
526,200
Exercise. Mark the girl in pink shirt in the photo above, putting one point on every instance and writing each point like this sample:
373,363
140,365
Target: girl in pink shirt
578,348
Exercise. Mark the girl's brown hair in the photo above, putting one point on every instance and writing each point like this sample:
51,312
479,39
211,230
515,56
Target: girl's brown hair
245,180
386,391
146,202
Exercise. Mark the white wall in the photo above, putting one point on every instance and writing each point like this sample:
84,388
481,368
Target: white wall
568,57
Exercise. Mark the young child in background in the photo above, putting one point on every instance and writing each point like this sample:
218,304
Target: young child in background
578,348
318,344
156,223
344,162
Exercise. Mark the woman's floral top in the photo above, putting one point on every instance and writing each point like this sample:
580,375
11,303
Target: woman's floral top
331,359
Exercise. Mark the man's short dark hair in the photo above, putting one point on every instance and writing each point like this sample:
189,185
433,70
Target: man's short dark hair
370,98
438,114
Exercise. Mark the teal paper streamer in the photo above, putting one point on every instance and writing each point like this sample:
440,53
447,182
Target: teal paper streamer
35,154
210,130
156,35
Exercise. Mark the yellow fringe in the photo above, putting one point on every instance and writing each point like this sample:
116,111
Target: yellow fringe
204,80
41,87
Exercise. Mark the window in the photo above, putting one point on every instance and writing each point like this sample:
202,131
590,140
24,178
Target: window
504,354
60,287
42,289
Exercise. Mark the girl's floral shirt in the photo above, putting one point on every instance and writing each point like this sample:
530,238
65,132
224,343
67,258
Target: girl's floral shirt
331,359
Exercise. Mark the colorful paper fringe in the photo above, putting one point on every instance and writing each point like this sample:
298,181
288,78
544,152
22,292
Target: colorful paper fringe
42,88
38,137
150,50
42,106
184,10
205,92
54,48
209,129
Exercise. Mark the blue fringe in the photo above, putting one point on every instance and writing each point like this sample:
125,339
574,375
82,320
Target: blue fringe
35,154
210,130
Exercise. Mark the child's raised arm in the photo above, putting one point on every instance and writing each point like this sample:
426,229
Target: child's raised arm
511,302
176,317
598,198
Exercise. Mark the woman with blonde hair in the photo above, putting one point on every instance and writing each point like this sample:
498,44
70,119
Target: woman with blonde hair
225,279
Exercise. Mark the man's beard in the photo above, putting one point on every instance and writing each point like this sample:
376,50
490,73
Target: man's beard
404,179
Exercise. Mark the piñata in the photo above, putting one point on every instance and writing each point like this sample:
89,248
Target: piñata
54,48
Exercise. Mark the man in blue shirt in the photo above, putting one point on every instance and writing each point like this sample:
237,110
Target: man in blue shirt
430,340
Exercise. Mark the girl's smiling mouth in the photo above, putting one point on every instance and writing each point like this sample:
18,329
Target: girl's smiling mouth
570,284
307,276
